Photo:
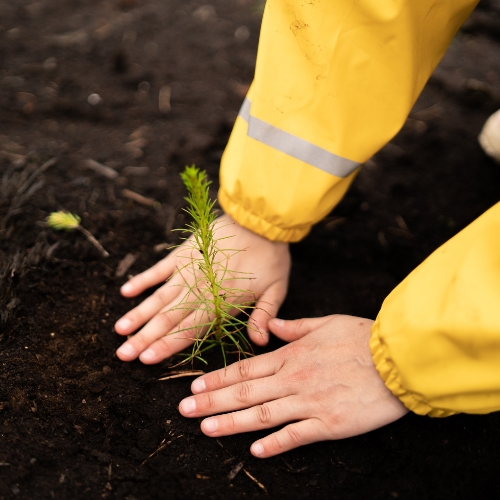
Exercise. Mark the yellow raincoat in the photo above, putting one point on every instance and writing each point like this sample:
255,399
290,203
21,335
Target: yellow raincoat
334,82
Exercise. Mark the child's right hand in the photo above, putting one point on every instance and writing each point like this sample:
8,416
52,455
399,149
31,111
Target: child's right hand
266,262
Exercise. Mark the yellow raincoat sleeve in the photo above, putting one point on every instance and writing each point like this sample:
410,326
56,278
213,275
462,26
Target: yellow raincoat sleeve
436,340
334,82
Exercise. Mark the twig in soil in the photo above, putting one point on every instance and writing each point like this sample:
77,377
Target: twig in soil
382,239
162,246
15,267
162,446
192,373
125,264
38,171
50,251
289,468
333,222
143,200
401,223
434,111
19,188
235,470
136,147
256,481
396,231
16,159
64,221
104,170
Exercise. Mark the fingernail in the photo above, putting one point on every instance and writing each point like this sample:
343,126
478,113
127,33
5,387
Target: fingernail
198,385
123,324
264,334
147,355
210,425
127,288
188,406
257,449
126,350
278,322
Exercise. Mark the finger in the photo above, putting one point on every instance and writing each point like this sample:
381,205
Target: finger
139,315
160,325
290,330
266,308
241,371
290,437
161,271
235,397
263,416
177,339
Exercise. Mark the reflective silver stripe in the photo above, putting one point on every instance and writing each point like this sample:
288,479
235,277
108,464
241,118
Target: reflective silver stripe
295,146
245,110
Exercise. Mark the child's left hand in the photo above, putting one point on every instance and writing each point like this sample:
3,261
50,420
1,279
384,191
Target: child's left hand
165,326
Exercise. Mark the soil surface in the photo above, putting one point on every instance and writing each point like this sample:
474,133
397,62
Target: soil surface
145,87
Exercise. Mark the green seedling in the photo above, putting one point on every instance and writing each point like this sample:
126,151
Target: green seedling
65,221
210,296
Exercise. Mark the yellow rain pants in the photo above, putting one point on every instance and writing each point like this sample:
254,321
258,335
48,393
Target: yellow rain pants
334,82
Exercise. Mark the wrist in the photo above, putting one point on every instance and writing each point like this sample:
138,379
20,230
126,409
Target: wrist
265,225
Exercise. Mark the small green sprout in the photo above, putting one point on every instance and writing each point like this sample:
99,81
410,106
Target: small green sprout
214,302
63,221
66,221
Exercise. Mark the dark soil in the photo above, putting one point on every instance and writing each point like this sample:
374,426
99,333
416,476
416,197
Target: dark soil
75,422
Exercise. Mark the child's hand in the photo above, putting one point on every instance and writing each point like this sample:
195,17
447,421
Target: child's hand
267,264
324,381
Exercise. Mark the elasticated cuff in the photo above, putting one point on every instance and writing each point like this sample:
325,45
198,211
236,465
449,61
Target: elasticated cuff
390,375
259,225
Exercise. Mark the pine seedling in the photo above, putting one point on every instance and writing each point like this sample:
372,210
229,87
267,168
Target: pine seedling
65,221
209,294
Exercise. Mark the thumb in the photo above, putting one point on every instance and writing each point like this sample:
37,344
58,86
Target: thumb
266,308
290,330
